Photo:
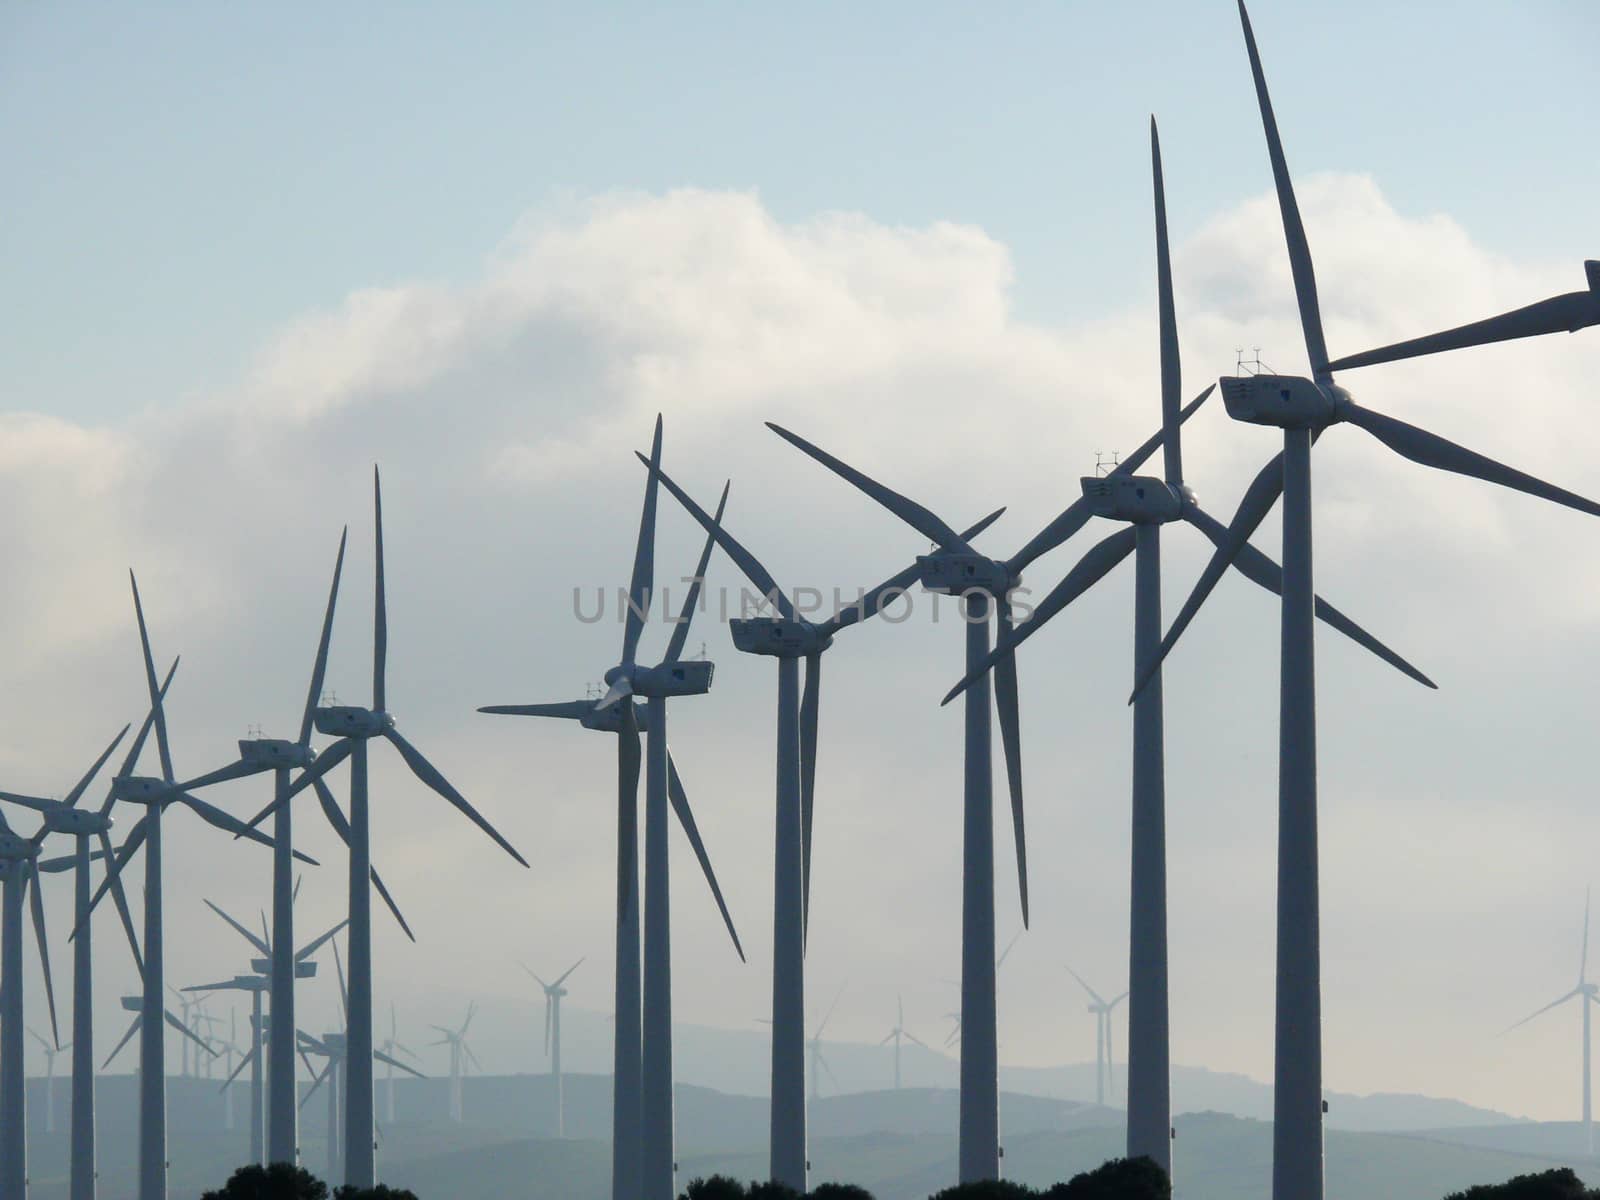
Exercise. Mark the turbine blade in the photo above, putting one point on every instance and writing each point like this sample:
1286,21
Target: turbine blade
1171,372
242,931
1294,232
150,680
1076,515
126,1038
1258,500
618,691
913,1038
380,612
1540,1012
680,631
234,770
871,602
1093,995
239,1070
124,852
316,1083
316,944
429,774
42,940
1431,450
188,1033
642,587
547,1017
395,1062
227,821
324,764
1566,313
913,514
1261,569
742,558
82,785
37,803
680,805
1006,953
1007,711
319,666
137,747
562,978
120,897
570,710
344,995
1583,962
1094,565
810,702
377,882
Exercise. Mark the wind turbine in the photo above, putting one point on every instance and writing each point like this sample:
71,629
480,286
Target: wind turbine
19,857
1144,504
1585,993
1103,1058
621,714
282,757
256,984
460,1055
1304,409
392,1045
818,1063
85,824
900,1031
355,727
554,993
789,638
1566,313
156,793
50,1050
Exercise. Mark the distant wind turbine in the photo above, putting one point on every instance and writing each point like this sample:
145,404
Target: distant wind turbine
1104,1060
1585,993
392,1045
896,1034
50,1050
461,1056
818,1063
554,993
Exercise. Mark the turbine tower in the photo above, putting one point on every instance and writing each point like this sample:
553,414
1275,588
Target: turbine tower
355,727
1585,993
1304,409
554,993
1104,1062
789,638
156,793
896,1034
619,713
85,824
19,857
1145,504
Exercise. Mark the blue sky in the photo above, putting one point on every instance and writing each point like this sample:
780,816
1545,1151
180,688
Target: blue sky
182,179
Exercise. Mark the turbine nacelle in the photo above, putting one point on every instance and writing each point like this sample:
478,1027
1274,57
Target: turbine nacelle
1285,401
142,789
302,970
274,753
1591,268
350,720
668,679
133,1003
777,637
958,572
16,849
82,822
1140,499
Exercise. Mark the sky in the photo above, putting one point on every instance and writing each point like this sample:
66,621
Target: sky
250,253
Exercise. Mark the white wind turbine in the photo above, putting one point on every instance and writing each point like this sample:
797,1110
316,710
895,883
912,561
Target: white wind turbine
461,1056
896,1034
554,994
1104,1063
50,1050
392,1045
1585,993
